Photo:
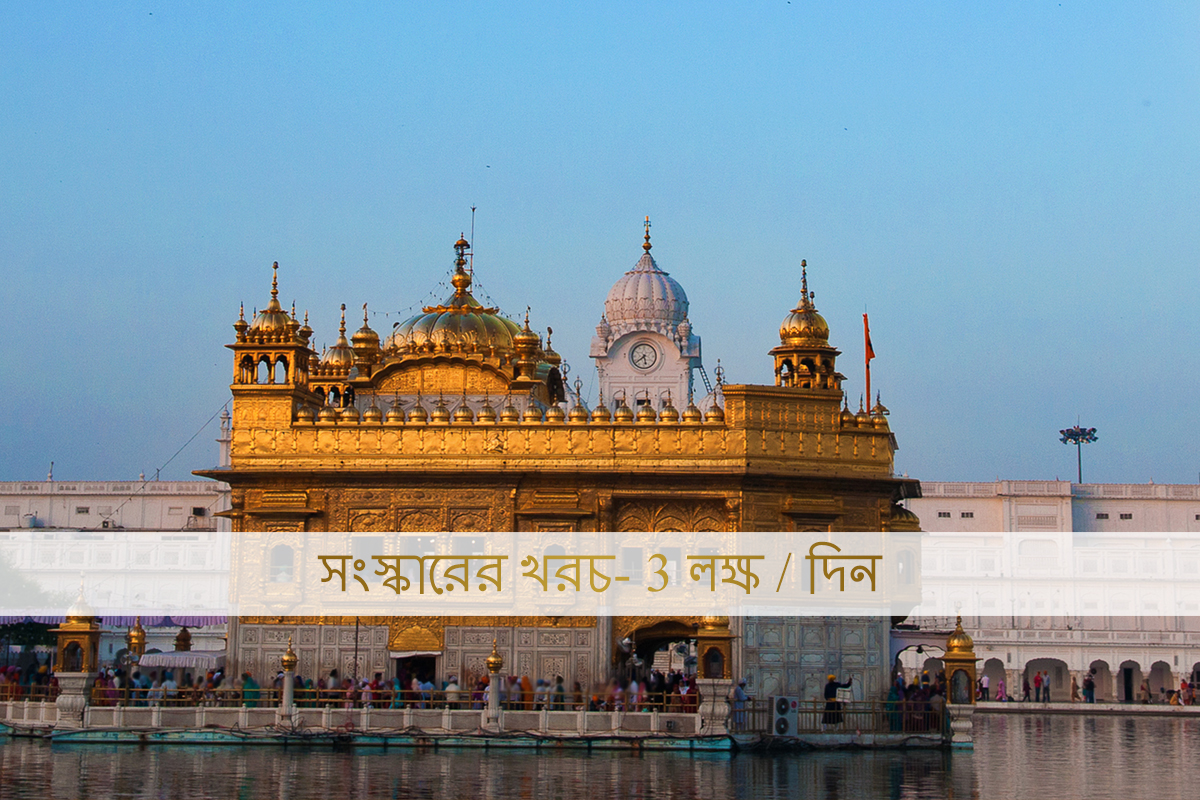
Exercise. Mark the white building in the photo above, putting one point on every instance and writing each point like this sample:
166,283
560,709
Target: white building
1147,536
152,545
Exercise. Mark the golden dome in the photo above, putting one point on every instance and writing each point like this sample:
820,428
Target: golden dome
395,413
341,354
532,413
463,415
183,640
305,414
804,325
624,412
461,323
440,412
847,416
327,414
418,414
646,413
960,641
579,415
510,413
669,412
692,414
373,414
601,414
272,319
714,414
486,412
350,414
555,413
364,337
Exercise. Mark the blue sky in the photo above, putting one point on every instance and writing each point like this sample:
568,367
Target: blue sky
1011,192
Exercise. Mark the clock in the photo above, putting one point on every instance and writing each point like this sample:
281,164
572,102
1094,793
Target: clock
643,355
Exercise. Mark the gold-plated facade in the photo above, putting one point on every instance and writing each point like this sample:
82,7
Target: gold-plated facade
762,458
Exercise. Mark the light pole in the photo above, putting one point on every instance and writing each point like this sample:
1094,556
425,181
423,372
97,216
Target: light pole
1078,436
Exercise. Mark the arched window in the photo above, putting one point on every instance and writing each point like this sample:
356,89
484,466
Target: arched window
281,564
246,370
264,370
281,370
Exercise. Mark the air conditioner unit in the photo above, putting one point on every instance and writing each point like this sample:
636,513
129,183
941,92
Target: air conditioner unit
786,715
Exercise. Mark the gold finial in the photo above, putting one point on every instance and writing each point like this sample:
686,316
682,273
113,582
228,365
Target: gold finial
495,662
720,373
342,329
549,333
805,297
527,309
242,312
646,245
289,658
275,280
364,315
306,317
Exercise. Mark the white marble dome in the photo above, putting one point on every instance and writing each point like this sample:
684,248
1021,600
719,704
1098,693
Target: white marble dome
645,298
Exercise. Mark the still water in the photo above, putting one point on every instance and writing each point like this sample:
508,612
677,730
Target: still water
1015,756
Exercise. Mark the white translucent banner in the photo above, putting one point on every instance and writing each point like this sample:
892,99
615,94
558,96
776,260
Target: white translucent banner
563,573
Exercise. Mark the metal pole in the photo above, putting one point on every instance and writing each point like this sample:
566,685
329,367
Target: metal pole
356,652
1079,458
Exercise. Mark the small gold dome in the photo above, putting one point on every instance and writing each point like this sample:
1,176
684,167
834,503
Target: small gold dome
350,414
327,414
691,414
645,413
803,325
532,413
183,640
960,641
624,412
418,415
463,415
601,414
373,414
365,338
669,412
486,412
714,414
395,414
341,355
555,413
510,413
579,415
441,414
847,417
272,319
305,414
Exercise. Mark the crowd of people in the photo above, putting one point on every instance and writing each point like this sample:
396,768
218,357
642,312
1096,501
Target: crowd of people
35,682
918,706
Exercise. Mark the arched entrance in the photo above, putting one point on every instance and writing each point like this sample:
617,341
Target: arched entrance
1161,682
1056,672
663,643
993,670
1129,681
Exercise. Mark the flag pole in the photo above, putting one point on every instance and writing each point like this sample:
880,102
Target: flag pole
868,354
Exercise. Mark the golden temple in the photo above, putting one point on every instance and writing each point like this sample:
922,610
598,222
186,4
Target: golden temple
459,422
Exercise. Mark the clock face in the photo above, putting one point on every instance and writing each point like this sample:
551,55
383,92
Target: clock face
643,356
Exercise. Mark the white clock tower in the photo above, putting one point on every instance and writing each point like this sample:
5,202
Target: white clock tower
644,346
